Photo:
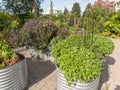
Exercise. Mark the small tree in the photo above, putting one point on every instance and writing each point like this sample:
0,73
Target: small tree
51,7
66,11
76,10
88,7
36,33
18,6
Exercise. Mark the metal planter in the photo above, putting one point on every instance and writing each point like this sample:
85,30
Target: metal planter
14,77
63,85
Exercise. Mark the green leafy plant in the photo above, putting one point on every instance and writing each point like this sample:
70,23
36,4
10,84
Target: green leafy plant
67,42
74,28
79,65
76,62
7,56
113,25
103,45
79,62
7,22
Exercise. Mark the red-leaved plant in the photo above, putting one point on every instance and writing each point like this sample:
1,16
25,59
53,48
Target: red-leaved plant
7,56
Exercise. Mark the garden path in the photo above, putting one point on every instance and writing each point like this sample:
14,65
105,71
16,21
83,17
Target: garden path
110,79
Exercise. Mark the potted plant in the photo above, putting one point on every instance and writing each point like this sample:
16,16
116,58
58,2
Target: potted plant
13,70
78,67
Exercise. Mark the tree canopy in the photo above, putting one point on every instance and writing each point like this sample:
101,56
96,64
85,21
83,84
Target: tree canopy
66,11
21,6
76,11
87,9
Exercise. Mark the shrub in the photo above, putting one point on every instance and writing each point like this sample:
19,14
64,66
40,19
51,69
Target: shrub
7,56
113,25
14,38
69,41
25,17
37,33
60,23
103,45
7,22
75,61
79,62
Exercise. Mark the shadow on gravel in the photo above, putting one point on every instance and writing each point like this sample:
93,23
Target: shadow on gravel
117,87
38,69
105,73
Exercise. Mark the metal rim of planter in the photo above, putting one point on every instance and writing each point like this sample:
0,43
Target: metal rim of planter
14,77
63,85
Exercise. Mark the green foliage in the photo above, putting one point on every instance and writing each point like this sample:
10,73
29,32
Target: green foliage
74,28
75,61
76,12
14,24
24,17
4,20
106,33
79,62
66,11
79,65
60,19
21,6
52,17
87,9
103,45
7,22
113,25
59,23
18,6
70,41
7,56
94,17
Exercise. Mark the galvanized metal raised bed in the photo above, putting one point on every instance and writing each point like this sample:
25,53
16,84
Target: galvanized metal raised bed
14,77
63,85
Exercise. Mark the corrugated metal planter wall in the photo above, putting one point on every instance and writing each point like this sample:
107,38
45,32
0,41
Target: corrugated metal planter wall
62,84
14,77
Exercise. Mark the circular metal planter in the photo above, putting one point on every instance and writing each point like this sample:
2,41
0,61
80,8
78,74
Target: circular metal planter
63,85
14,77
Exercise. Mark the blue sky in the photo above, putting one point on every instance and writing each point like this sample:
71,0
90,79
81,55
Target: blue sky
61,4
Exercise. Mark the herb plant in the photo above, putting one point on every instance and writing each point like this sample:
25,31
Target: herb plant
75,61
81,63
